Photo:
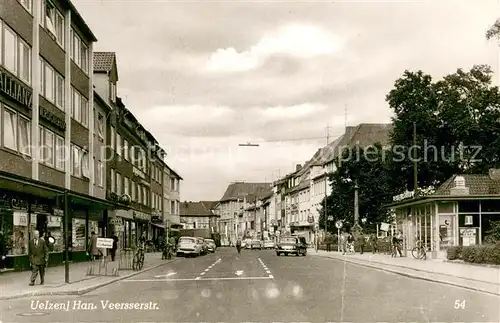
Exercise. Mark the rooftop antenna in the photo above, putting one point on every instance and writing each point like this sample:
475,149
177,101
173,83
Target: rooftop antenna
328,134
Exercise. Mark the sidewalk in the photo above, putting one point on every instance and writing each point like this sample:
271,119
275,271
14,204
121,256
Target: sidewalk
479,278
15,284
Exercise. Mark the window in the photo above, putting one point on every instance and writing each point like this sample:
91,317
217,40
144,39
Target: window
79,52
100,125
10,129
51,84
118,144
118,184
125,185
59,26
24,136
80,108
113,92
132,193
113,177
48,148
79,162
60,153
125,149
24,62
172,207
50,12
10,49
26,4
112,138
99,173
172,184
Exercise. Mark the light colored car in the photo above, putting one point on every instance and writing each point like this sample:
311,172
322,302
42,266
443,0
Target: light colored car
256,244
188,246
211,245
203,244
247,243
269,244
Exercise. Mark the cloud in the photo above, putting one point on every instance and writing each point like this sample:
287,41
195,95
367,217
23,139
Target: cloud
295,40
204,77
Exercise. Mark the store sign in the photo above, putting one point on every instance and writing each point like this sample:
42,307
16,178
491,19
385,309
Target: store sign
106,243
15,90
142,216
52,118
20,219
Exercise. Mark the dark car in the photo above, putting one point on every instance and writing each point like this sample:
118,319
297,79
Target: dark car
291,246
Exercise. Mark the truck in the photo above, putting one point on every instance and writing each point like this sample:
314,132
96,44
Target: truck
202,233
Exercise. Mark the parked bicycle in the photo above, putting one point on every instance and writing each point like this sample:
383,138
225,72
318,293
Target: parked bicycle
138,261
419,252
168,251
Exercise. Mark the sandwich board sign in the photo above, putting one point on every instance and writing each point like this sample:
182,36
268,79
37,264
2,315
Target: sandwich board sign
105,243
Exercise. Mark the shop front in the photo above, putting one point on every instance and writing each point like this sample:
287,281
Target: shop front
27,205
303,229
442,220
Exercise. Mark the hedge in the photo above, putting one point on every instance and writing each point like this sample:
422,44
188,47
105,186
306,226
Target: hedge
479,254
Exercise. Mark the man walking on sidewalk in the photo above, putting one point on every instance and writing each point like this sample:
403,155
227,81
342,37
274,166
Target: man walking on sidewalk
38,256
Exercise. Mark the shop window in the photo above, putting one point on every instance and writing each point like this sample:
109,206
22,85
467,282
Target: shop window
468,206
490,206
20,234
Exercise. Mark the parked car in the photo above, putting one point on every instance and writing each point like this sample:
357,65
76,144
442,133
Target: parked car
256,244
211,245
188,246
292,246
203,244
247,243
269,244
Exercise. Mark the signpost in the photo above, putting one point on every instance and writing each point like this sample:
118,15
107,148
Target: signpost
338,224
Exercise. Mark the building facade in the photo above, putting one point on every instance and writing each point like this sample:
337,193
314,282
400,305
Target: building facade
198,215
171,198
47,143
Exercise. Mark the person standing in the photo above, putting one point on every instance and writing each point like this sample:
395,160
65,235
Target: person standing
115,246
93,250
374,243
361,241
38,256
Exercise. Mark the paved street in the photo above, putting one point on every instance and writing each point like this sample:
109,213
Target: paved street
258,286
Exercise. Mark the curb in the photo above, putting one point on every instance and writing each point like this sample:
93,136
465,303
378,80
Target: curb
85,290
435,280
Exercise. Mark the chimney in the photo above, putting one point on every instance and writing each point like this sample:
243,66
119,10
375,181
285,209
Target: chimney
298,167
459,188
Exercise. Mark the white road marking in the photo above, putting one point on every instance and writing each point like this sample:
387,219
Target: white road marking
209,267
268,272
167,275
266,269
239,272
199,279
203,273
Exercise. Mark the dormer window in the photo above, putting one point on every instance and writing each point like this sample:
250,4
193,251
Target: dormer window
113,92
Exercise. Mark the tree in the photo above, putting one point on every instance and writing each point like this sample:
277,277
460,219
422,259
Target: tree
366,167
457,125
494,31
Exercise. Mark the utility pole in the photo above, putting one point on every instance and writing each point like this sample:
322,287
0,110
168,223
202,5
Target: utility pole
415,171
345,116
326,179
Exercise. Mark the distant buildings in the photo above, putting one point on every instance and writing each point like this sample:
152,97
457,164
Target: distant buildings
199,215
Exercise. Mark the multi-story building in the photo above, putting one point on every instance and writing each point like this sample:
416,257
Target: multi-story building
134,162
304,190
238,197
171,198
197,215
47,142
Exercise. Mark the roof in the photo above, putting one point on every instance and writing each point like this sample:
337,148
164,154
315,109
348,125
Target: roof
364,134
210,205
104,61
239,190
201,208
478,184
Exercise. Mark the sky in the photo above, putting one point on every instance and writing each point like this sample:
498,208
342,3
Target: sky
205,76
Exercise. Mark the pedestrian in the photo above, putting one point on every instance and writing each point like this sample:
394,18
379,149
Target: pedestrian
328,242
396,242
343,242
374,243
115,246
38,255
93,251
361,242
238,245
3,251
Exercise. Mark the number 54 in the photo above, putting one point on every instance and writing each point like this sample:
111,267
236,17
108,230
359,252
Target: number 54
459,304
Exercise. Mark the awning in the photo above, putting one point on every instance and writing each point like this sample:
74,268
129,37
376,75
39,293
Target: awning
158,225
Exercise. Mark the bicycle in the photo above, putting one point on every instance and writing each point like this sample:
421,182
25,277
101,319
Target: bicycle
418,252
138,261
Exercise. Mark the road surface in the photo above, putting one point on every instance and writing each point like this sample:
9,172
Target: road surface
258,286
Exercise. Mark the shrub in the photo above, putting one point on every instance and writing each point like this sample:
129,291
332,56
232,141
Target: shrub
482,254
453,253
